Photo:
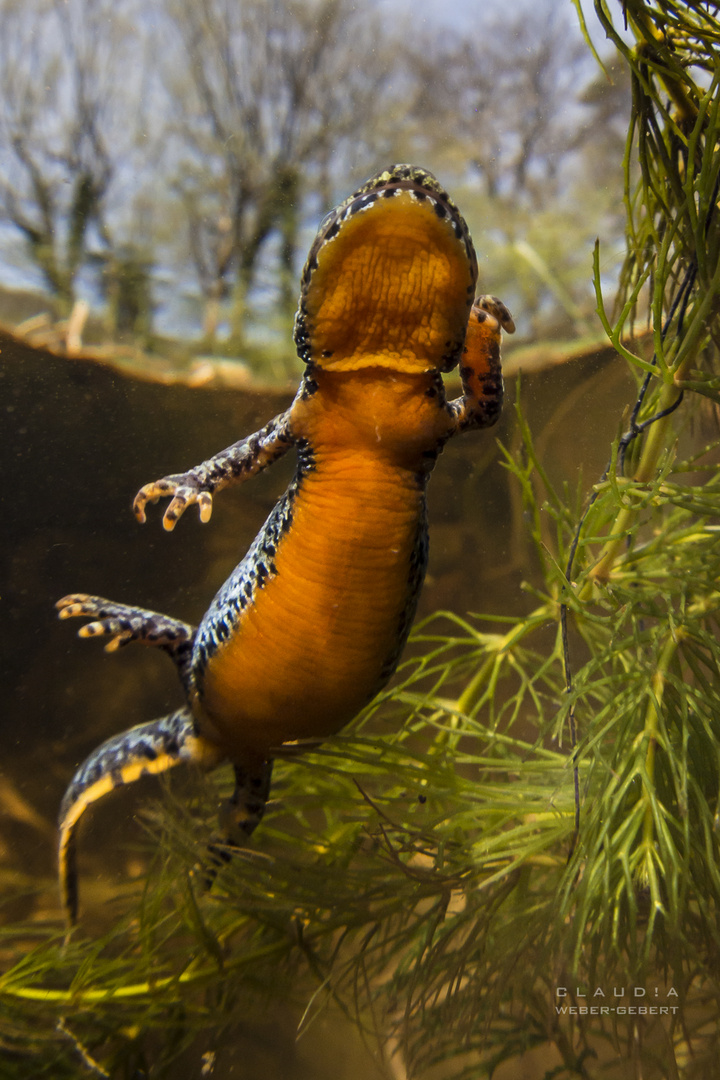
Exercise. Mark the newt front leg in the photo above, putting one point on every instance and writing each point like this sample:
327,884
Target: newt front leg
480,368
238,462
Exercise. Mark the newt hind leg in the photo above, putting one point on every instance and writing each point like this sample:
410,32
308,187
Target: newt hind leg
480,368
243,811
145,749
122,624
247,803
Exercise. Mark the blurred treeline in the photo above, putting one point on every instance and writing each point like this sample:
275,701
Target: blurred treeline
169,160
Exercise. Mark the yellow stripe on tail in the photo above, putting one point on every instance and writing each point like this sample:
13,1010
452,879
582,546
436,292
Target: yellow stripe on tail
143,750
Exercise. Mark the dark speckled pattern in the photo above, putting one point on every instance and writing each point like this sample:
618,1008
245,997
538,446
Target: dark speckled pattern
146,742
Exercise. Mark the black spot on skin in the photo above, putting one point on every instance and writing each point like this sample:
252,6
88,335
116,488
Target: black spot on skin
333,230
309,386
481,315
440,210
327,353
431,392
93,774
148,751
466,372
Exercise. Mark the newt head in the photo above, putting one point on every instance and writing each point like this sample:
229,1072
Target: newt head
390,279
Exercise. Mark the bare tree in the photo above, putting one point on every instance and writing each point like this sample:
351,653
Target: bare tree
501,92
274,92
59,63
512,108
250,116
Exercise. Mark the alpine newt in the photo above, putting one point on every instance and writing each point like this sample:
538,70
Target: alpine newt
311,623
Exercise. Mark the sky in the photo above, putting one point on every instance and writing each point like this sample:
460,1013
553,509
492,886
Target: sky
460,13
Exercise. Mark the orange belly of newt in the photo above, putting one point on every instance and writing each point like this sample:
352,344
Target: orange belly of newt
309,652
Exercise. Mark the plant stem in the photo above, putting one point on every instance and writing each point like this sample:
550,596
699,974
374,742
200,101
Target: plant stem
650,729
654,445
504,644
